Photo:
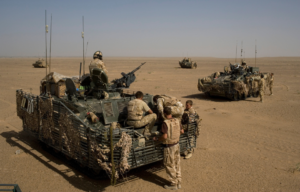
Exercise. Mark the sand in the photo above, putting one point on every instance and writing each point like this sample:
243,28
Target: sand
243,146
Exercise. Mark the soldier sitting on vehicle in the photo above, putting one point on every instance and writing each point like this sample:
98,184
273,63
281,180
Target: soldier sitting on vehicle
163,101
136,118
98,63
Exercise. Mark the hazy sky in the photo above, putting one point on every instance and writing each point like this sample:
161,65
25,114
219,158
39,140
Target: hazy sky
151,28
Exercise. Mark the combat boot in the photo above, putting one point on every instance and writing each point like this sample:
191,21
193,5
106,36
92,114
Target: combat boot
178,186
147,133
171,187
189,155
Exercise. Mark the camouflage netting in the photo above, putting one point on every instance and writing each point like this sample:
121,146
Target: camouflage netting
240,87
46,110
101,152
30,116
69,137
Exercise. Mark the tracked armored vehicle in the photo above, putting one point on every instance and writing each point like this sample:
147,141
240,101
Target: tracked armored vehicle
187,63
87,123
40,63
235,83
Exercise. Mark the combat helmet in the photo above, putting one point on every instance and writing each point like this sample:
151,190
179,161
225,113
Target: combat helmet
97,55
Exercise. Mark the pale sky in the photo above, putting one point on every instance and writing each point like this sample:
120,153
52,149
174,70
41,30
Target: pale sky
162,28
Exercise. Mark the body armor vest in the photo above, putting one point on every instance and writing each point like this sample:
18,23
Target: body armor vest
173,131
135,112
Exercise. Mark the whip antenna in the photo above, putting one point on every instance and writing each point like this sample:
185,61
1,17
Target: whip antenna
255,52
236,51
82,35
46,31
50,45
242,50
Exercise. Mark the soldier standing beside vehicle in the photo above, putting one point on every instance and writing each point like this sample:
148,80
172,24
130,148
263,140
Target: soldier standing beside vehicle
136,118
171,129
271,81
261,87
98,63
190,116
163,101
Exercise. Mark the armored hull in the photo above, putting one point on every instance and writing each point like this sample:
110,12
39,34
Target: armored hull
39,64
187,63
236,84
92,130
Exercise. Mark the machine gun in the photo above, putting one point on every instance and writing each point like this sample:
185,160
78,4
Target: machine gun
126,80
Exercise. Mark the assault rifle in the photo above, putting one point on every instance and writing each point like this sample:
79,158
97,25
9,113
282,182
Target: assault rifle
126,80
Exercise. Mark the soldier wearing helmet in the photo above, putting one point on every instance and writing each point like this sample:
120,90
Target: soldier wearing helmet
244,64
98,63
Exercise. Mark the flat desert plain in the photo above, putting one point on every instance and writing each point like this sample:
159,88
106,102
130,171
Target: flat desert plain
244,145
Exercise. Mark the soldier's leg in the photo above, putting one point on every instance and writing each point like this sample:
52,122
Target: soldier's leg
177,164
271,89
150,119
169,163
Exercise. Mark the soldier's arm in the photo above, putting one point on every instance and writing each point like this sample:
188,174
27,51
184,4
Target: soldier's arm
160,106
181,130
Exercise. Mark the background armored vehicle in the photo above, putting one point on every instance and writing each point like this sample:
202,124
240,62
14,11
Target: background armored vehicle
236,82
187,63
40,63
88,124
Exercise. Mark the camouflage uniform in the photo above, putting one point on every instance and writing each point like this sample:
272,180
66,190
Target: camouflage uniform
136,109
97,63
261,86
172,153
271,84
169,101
192,116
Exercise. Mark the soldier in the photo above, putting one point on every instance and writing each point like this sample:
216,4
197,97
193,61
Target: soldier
136,109
271,83
163,101
261,87
189,115
171,129
244,65
98,63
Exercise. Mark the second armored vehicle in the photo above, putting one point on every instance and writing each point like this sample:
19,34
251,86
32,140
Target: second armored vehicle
236,82
40,63
187,63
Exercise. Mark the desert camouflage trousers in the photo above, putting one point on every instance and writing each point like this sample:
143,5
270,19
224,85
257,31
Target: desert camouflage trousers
148,120
172,164
271,88
261,95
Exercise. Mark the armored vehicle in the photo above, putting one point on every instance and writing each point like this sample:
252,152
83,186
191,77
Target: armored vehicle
40,63
87,123
236,82
187,63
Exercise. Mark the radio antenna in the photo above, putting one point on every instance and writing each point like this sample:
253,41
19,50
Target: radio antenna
236,50
255,52
46,31
50,45
242,50
82,35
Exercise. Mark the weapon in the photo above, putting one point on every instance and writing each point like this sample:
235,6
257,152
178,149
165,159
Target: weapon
126,80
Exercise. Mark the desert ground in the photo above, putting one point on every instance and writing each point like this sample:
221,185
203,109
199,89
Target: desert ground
244,145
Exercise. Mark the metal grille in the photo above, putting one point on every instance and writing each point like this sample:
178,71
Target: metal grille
122,106
108,109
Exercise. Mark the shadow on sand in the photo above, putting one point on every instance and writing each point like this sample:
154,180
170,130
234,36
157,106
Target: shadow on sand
203,96
23,139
